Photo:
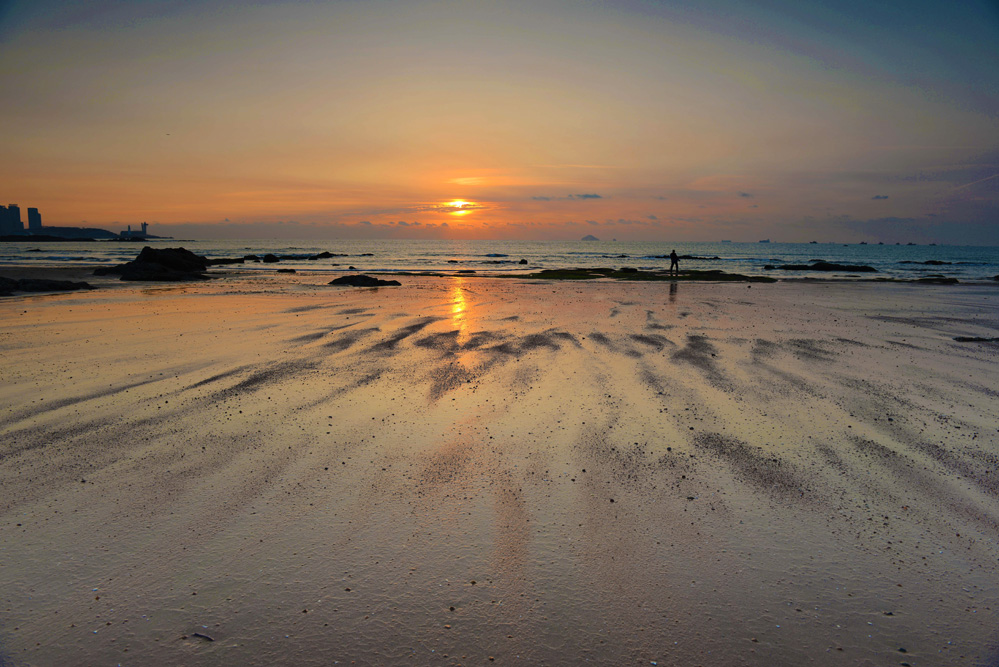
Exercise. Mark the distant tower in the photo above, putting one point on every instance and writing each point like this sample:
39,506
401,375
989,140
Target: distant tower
11,220
34,220
144,227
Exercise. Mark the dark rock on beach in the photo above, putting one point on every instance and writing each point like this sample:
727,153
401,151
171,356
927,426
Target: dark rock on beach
823,266
8,285
162,264
271,259
362,280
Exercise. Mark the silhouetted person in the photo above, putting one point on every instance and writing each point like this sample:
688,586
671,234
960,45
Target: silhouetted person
674,262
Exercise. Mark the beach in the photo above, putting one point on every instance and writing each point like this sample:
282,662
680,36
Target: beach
265,469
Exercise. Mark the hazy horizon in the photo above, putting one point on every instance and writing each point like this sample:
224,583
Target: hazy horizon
825,121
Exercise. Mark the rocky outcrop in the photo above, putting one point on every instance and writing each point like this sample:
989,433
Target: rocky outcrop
823,266
361,280
163,264
8,285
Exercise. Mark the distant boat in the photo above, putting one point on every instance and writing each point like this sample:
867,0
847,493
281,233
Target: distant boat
812,242
725,241
863,243
764,240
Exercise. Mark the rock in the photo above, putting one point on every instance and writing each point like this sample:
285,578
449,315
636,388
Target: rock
164,264
323,255
286,270
227,260
628,269
8,285
43,285
361,280
523,261
826,266
270,258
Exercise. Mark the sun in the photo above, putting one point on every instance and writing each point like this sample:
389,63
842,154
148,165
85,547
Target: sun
458,207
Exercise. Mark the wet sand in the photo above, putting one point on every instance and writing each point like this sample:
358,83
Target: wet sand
474,471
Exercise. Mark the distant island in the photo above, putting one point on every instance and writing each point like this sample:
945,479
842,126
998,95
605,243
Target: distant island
590,237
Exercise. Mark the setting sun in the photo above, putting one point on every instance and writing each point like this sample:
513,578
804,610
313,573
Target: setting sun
458,207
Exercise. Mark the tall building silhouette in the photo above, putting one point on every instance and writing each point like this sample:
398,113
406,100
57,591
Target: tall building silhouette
10,219
34,220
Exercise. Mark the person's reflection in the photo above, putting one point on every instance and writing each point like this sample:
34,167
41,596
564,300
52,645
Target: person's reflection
672,292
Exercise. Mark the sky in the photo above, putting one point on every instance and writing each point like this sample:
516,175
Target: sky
637,120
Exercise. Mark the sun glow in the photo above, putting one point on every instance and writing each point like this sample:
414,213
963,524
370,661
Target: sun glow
459,207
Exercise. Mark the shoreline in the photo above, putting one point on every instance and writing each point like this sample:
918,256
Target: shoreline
84,273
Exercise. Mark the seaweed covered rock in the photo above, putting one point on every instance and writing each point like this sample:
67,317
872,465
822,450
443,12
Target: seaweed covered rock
361,280
823,266
8,285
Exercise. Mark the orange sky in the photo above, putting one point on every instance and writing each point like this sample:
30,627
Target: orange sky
799,122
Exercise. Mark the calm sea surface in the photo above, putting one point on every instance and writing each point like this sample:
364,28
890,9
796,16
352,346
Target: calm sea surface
966,263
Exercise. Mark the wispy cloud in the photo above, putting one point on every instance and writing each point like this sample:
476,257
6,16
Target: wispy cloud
586,196
880,197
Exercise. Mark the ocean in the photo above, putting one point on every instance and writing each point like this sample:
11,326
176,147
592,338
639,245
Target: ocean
905,262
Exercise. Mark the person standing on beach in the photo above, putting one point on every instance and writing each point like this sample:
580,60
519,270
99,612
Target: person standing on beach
674,262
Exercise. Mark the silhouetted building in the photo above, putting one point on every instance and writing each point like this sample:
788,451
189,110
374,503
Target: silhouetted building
10,219
129,234
34,220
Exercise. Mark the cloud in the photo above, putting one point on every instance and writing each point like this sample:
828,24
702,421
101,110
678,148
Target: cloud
364,222
745,194
652,217
586,196
541,198
452,208
880,197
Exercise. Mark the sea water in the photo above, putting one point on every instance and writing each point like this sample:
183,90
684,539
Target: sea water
966,263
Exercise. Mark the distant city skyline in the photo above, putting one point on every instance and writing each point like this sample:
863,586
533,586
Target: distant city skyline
636,120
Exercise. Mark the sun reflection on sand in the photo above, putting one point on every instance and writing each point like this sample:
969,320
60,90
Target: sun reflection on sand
459,311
